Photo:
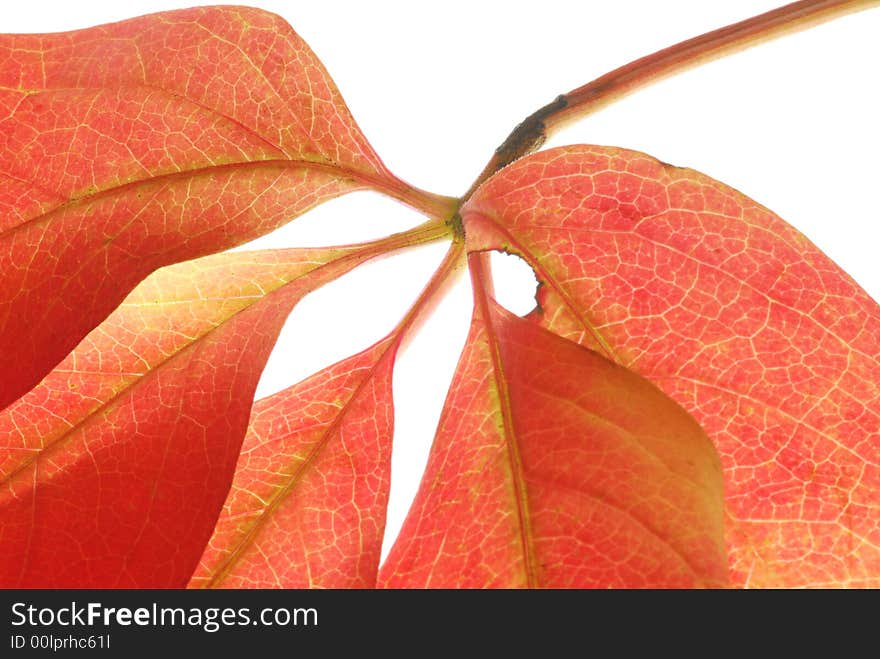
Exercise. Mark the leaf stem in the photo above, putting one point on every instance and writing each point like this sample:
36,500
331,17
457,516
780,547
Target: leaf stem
441,281
699,50
435,290
353,255
430,231
531,133
481,279
428,203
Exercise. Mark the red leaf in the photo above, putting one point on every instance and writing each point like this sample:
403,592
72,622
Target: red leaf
115,467
308,501
554,467
307,505
739,318
133,145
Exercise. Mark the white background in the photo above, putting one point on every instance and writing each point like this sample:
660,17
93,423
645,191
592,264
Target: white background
437,86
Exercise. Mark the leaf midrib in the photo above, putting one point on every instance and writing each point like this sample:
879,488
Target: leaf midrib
248,539
61,440
108,192
517,473
373,181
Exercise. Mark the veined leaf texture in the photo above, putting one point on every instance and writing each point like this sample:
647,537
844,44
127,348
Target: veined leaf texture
693,402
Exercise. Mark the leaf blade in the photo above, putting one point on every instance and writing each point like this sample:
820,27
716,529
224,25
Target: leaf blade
736,316
133,145
307,507
116,466
241,63
506,500
308,500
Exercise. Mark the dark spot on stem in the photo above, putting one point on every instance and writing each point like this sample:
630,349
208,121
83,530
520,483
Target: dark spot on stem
457,225
529,134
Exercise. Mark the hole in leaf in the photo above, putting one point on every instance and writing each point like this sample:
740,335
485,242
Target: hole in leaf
515,283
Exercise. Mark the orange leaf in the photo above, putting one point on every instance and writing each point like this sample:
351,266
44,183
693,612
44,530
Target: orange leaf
115,467
736,316
307,505
308,500
554,467
129,146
